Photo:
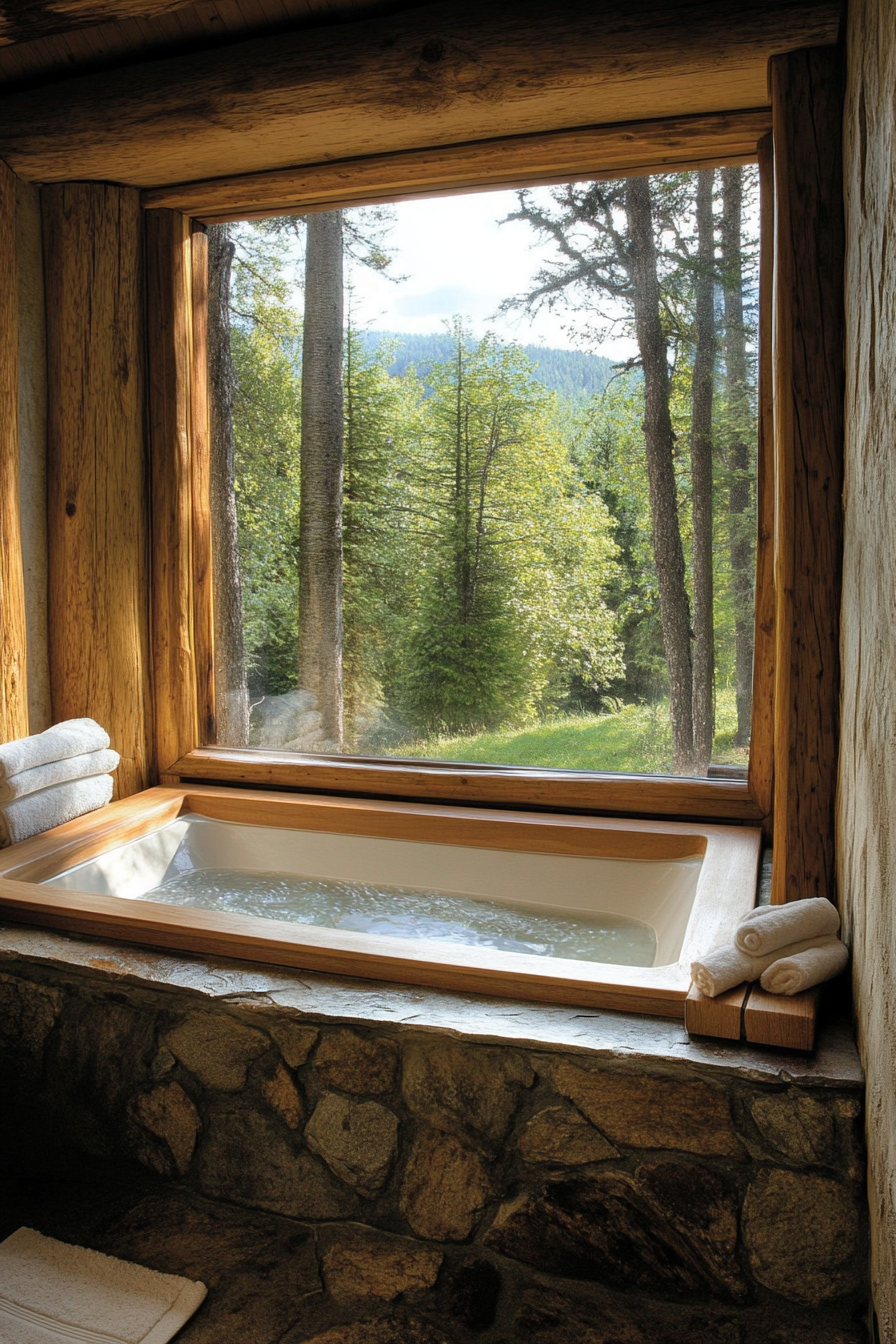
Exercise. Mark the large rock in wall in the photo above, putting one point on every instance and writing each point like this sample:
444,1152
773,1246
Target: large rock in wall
866,839
455,1188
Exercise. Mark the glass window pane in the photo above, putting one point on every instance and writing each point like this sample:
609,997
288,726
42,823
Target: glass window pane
484,476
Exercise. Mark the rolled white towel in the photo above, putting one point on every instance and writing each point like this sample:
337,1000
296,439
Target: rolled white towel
38,812
58,772
727,966
74,737
796,971
774,926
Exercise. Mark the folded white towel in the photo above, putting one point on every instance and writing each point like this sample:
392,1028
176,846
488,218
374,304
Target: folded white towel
51,1291
38,812
727,966
794,972
773,926
58,772
74,737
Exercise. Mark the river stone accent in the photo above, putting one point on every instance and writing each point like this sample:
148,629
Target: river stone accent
445,1187
359,1263
356,1063
218,1050
798,1126
470,1095
560,1134
669,1228
357,1140
282,1096
392,1330
801,1232
28,1013
643,1112
246,1157
295,1042
169,1114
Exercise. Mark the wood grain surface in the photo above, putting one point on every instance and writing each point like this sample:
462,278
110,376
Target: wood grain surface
721,1016
13,648
807,102
440,75
169,338
97,500
555,156
24,21
507,786
787,1023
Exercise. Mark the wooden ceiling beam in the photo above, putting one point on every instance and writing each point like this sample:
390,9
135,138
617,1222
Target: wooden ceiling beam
522,160
25,21
440,75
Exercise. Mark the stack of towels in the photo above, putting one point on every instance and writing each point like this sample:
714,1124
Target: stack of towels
53,777
787,948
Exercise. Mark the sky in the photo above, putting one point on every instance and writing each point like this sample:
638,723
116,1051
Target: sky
458,259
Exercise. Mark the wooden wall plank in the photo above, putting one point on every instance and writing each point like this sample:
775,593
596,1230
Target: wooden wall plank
97,500
13,643
169,340
24,21
807,103
762,733
557,156
443,74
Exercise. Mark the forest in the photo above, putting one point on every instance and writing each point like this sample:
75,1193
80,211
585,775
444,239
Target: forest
465,547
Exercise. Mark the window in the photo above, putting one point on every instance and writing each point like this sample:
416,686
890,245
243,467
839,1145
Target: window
483,476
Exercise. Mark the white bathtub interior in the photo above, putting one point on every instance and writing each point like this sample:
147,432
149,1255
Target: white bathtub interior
652,898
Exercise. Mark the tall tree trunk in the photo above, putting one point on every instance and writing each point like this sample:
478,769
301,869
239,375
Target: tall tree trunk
231,697
668,552
320,537
701,476
740,499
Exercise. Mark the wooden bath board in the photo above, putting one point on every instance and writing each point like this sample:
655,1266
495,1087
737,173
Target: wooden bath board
748,1013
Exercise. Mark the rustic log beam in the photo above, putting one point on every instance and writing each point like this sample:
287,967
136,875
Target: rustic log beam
170,354
807,102
24,21
97,503
557,156
443,74
13,679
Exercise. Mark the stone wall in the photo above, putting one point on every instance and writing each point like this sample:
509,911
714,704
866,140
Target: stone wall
466,1190
866,841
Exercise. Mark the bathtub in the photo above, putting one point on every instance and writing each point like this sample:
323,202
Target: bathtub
558,890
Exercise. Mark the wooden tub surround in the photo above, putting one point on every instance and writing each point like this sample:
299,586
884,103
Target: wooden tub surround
725,891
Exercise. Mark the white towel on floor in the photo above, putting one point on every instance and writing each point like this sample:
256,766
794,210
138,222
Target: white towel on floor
58,772
50,1291
38,812
74,737
773,926
796,971
727,966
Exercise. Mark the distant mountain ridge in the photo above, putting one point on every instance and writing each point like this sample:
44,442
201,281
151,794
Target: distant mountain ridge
572,373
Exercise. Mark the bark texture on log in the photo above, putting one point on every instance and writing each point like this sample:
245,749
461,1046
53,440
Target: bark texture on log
866,812
13,638
168,320
701,476
320,512
231,696
97,499
659,447
440,75
807,107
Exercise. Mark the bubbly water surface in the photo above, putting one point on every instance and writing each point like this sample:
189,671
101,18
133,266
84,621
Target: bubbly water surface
401,912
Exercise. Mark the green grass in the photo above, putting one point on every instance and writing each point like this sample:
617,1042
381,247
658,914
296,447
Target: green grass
636,740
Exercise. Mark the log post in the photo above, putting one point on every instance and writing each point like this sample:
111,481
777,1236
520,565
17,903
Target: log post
97,507
807,110
170,351
13,679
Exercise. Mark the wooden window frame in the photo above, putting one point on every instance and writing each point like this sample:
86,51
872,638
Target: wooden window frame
804,85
